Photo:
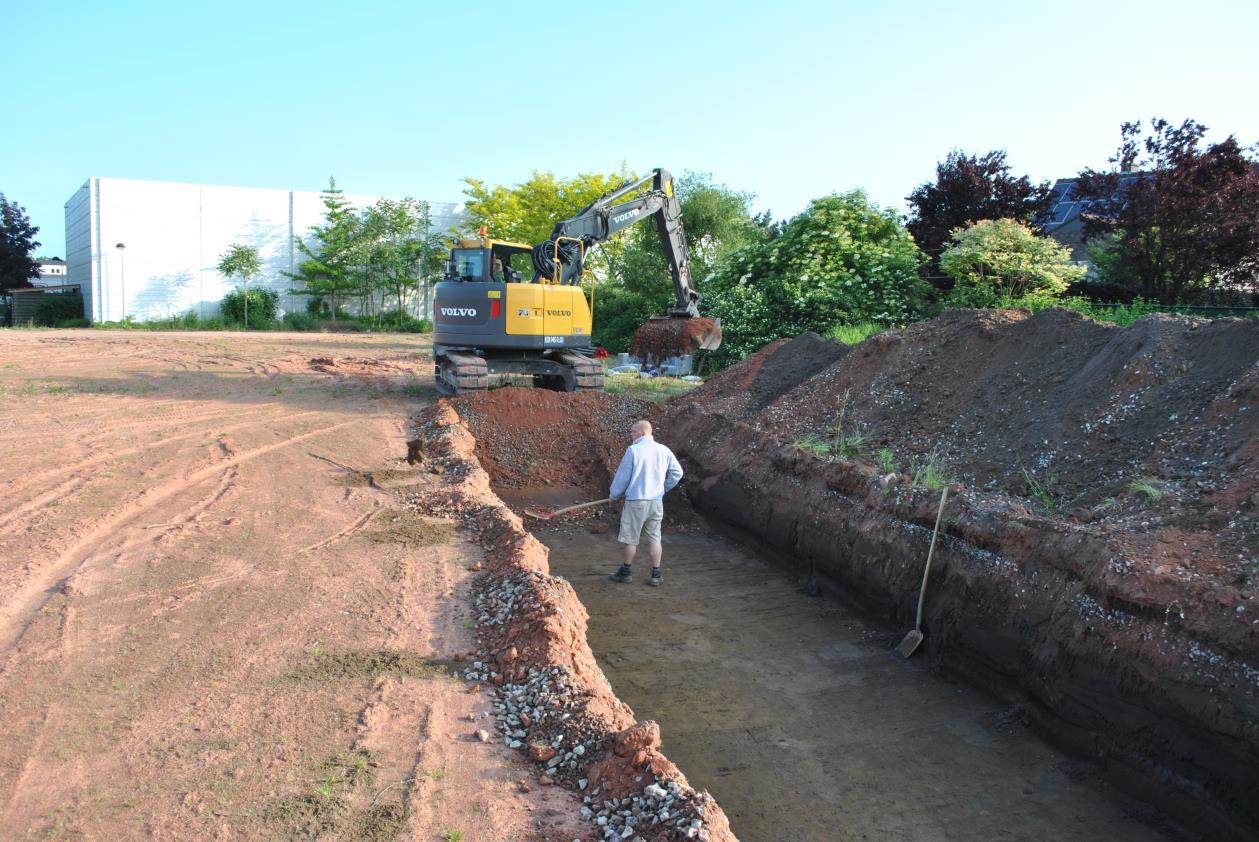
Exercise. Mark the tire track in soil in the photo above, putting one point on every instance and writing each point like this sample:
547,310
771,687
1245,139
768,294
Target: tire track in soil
60,492
29,598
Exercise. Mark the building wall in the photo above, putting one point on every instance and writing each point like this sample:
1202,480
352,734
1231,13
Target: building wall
81,247
174,235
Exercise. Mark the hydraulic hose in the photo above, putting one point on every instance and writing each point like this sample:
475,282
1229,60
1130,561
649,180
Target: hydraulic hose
570,255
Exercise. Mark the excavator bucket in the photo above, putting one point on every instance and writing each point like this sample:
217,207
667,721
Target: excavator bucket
671,336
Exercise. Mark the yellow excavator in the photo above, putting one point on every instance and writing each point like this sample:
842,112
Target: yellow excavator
487,319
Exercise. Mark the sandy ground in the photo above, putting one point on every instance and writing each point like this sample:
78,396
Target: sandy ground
213,622
797,716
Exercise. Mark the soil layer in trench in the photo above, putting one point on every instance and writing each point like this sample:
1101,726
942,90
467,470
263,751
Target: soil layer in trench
800,719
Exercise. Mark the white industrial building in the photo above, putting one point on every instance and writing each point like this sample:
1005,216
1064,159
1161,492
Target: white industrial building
150,249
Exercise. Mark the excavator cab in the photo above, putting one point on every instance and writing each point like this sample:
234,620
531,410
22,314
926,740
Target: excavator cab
488,261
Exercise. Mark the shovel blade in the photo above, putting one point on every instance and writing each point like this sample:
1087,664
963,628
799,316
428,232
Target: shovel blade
539,515
910,644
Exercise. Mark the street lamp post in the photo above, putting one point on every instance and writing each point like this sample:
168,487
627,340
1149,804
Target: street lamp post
122,257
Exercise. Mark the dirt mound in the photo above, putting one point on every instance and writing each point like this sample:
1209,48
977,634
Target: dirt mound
1153,422
1099,561
658,339
744,389
537,437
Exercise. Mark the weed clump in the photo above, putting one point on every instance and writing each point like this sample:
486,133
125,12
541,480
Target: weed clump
327,666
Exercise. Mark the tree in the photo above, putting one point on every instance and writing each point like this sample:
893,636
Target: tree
243,261
1181,216
17,241
969,188
844,260
526,212
397,244
331,251
995,261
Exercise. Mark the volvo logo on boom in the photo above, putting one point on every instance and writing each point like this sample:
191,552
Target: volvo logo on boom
629,214
458,311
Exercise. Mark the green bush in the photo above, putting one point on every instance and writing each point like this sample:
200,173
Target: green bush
74,323
299,321
392,320
843,261
262,306
1002,259
54,308
618,313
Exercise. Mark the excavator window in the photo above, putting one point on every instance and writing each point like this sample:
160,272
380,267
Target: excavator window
469,264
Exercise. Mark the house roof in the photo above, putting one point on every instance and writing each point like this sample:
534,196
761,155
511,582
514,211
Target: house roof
1066,207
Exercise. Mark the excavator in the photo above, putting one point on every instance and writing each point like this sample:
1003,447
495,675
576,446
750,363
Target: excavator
488,320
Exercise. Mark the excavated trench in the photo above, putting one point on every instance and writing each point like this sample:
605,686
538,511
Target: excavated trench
795,713
1091,622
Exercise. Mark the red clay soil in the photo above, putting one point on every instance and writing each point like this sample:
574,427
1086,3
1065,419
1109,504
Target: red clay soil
659,339
532,632
1101,545
529,438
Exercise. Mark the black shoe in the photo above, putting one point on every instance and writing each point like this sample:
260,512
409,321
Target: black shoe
625,574
656,579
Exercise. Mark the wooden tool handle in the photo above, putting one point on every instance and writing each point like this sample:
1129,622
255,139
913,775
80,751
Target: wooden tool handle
926,571
580,506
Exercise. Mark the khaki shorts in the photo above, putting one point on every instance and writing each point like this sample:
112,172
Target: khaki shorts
641,518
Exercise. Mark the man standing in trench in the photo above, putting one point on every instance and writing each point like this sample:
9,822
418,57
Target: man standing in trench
647,471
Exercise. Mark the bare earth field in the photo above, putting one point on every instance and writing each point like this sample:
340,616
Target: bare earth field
213,622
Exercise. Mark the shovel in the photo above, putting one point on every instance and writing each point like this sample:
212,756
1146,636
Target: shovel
912,640
558,512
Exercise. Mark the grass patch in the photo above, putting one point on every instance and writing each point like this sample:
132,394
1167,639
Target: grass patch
321,666
1146,487
388,478
657,389
930,474
843,441
381,823
308,816
402,526
886,460
855,334
452,835
1042,490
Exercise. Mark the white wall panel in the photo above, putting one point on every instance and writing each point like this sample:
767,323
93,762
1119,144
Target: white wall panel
174,235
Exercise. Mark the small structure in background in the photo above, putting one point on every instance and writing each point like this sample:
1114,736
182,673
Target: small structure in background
52,272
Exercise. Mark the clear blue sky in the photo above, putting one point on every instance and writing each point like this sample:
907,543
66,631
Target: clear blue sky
789,100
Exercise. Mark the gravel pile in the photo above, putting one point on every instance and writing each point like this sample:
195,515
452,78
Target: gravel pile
543,717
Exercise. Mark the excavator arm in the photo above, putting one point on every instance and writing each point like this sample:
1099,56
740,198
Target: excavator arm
606,216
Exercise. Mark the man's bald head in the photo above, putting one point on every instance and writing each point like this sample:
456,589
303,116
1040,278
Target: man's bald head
642,427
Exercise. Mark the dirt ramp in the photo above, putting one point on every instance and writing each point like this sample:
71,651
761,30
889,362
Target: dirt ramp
536,437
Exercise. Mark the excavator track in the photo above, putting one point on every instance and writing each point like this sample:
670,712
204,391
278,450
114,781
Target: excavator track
587,372
458,374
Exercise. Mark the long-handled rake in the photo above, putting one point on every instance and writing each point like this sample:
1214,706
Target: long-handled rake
914,638
558,512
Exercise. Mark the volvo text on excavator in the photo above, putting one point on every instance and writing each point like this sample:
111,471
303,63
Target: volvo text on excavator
488,319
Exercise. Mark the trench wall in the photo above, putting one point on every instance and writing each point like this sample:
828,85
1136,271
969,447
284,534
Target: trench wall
1034,610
